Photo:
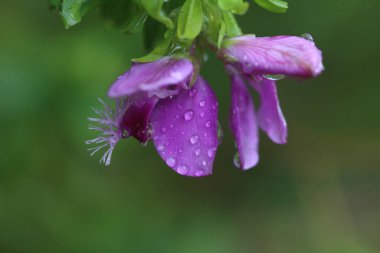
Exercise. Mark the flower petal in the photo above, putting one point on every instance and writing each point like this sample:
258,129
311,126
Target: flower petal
137,115
151,76
186,130
287,55
243,123
270,116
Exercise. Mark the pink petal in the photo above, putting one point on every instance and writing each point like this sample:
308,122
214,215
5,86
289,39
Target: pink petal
287,55
186,130
151,76
244,124
270,116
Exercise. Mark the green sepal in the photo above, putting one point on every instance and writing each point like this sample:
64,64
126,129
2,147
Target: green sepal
235,6
232,27
158,52
222,33
154,9
190,20
277,6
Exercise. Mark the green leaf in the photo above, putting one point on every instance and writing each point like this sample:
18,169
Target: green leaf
235,6
128,16
190,20
72,11
222,32
277,6
159,51
232,27
154,9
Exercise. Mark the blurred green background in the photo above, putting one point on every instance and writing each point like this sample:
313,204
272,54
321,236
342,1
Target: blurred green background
318,193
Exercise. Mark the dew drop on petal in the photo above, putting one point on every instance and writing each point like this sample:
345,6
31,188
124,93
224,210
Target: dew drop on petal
189,115
204,162
194,139
208,123
307,36
171,162
198,151
202,103
274,77
163,129
182,169
202,114
236,160
199,173
160,147
211,152
193,92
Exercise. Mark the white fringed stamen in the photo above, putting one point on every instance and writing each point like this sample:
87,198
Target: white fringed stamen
108,124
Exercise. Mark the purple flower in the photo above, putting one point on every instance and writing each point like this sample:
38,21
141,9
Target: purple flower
181,120
155,101
257,60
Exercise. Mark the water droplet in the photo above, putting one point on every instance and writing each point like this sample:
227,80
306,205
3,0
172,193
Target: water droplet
307,36
160,147
208,123
176,74
204,162
220,133
214,107
199,173
202,103
180,151
171,125
171,162
274,77
237,160
189,115
192,92
194,139
211,152
177,116
205,57
182,169
198,151
163,129
202,114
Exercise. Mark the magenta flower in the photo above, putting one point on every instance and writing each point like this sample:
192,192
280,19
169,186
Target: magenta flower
182,121
155,101
257,60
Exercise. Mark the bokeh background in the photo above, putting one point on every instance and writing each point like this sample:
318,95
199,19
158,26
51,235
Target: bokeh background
319,193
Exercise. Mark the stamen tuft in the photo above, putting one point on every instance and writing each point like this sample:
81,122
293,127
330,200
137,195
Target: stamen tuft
108,124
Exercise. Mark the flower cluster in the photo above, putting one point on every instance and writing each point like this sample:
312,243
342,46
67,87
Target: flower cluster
166,101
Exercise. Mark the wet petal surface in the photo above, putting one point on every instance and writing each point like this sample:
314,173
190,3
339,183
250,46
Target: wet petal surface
243,123
270,116
287,55
151,76
186,130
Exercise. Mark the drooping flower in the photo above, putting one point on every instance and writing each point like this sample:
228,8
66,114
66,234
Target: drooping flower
256,60
136,93
182,121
